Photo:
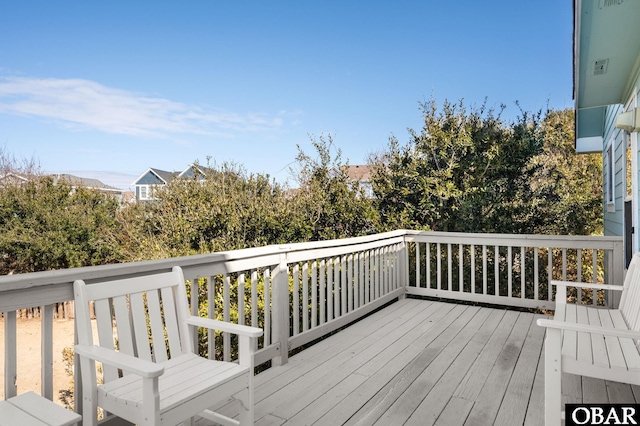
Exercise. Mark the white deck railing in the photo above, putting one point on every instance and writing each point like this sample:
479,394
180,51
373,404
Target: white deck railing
302,292
512,270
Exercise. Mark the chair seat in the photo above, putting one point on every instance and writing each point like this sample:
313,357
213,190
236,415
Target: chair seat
185,378
605,357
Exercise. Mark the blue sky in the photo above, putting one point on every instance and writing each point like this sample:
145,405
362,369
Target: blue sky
109,89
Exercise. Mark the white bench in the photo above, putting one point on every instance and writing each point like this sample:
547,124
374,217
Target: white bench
29,409
590,341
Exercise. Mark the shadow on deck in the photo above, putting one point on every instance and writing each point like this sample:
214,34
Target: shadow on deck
420,362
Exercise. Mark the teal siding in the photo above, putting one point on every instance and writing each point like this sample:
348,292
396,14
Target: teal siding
613,220
150,179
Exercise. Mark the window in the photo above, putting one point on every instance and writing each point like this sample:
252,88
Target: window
143,192
610,175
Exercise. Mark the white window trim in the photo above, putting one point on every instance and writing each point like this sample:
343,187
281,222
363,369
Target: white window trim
145,189
610,187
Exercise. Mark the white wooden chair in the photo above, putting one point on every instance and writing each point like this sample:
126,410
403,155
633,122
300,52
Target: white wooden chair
594,342
154,377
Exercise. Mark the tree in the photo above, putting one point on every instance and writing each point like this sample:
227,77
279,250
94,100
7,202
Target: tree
567,185
228,210
47,226
465,171
329,205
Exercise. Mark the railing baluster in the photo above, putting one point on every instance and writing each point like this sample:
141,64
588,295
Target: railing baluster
564,264
509,271
579,278
296,299
536,276
344,284
10,355
523,269
496,267
417,264
241,283
428,264
254,297
305,296
350,271
226,316
267,305
195,305
460,268
361,282
484,270
46,348
367,274
594,278
329,289
314,294
550,272
449,268
336,287
439,266
323,293
354,286
473,268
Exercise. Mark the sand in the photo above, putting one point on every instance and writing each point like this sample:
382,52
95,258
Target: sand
29,371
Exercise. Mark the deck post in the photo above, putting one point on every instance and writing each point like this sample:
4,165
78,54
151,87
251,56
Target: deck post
404,264
281,310
616,273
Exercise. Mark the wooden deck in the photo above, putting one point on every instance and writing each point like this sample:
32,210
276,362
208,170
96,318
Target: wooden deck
420,362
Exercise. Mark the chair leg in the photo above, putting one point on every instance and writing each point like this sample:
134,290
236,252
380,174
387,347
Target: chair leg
553,378
246,408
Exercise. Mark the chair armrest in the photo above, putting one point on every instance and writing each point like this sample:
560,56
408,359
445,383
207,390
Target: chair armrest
587,285
585,328
241,330
121,360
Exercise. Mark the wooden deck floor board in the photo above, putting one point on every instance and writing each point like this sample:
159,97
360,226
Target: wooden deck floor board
488,402
437,399
472,383
381,369
404,406
387,396
345,361
419,362
516,399
535,408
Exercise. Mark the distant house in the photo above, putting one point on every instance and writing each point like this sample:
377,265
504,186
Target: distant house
149,180
156,178
77,181
71,180
606,89
13,179
361,173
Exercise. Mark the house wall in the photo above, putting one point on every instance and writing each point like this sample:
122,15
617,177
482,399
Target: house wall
614,215
150,179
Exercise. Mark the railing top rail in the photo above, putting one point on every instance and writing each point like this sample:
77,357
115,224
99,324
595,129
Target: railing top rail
90,273
557,241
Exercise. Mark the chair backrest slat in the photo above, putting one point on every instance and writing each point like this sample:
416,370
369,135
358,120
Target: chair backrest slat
156,325
123,325
149,319
140,331
104,323
630,299
171,321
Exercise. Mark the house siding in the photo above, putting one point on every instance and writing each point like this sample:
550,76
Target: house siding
613,218
150,179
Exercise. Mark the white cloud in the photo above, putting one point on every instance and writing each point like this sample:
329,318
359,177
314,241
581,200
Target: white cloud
90,105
